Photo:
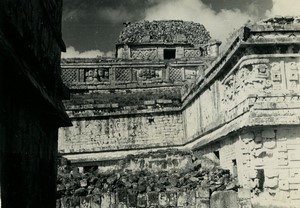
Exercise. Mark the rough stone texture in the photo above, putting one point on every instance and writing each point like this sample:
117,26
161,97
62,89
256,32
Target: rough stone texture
168,31
140,188
241,111
121,133
30,106
224,199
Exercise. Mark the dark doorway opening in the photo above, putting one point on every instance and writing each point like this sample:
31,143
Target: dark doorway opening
169,53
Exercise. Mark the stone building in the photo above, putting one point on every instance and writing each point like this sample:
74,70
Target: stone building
169,87
31,110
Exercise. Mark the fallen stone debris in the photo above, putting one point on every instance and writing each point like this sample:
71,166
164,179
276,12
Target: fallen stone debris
73,184
167,31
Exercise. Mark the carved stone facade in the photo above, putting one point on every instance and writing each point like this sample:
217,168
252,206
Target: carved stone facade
240,109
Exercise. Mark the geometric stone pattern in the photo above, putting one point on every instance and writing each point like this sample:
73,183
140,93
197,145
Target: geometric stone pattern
192,53
144,54
123,74
175,74
69,75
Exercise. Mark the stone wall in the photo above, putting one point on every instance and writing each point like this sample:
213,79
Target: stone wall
255,83
31,110
144,131
139,72
266,162
237,107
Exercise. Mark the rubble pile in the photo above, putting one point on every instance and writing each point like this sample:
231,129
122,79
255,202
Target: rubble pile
71,183
167,31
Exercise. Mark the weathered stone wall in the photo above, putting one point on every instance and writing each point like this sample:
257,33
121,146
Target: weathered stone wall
131,73
130,132
124,105
30,101
266,162
245,109
254,84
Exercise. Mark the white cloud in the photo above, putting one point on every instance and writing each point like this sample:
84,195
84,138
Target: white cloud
72,53
284,8
219,24
113,15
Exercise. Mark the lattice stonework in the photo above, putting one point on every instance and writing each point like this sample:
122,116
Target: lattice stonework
175,74
69,75
192,53
145,54
123,74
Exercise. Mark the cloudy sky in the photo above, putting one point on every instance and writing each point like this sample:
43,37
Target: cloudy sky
91,27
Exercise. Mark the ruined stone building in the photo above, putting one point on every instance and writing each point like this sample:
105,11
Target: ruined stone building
169,87
31,110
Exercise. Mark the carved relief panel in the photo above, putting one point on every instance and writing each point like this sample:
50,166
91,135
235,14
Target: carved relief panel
292,75
257,76
150,74
97,75
276,75
227,93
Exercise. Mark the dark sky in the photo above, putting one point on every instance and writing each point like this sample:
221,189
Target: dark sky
96,24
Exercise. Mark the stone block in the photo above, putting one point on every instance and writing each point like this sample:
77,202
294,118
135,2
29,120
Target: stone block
153,198
282,162
85,202
245,203
191,197
83,183
295,194
163,199
221,199
121,196
142,200
149,102
269,143
284,185
58,203
113,200
282,147
164,101
115,105
105,200
182,199
132,200
202,192
294,155
271,182
120,205
172,198
269,133
244,193
284,174
202,203
271,172
96,201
